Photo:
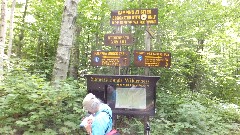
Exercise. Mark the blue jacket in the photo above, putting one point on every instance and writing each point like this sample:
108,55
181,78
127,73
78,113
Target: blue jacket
102,122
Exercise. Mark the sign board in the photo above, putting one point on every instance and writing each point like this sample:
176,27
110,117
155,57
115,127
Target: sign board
110,58
125,94
118,39
152,59
134,17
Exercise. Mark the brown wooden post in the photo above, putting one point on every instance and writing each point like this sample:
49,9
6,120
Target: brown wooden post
117,71
118,48
147,46
147,71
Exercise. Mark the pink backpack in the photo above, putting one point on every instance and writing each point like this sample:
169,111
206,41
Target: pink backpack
113,132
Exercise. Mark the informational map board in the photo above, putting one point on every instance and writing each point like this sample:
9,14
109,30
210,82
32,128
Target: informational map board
130,101
118,39
152,59
125,94
110,58
134,17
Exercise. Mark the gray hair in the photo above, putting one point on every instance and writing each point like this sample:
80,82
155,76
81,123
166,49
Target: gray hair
91,103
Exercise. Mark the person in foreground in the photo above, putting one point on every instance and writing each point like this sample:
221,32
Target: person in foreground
100,120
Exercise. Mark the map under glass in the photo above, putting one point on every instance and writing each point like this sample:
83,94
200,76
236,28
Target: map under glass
131,98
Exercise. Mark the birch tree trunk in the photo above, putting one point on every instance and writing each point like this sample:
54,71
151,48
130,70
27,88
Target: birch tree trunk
2,35
11,29
74,61
65,41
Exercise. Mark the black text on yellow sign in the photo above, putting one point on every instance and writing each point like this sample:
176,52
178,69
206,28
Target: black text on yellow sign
110,58
152,59
134,17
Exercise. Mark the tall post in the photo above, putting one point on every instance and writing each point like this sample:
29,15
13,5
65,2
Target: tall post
118,48
147,71
147,46
117,71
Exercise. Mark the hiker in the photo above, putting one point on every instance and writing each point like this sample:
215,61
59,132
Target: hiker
100,122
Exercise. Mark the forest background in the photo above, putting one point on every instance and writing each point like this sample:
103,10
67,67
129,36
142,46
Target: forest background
199,93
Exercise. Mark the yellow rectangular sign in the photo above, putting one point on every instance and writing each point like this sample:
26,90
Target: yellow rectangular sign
152,59
110,58
134,17
118,39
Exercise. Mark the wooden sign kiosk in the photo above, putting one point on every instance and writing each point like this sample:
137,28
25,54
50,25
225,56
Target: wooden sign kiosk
128,94
125,94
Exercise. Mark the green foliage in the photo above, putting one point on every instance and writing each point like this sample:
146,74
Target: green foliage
30,105
37,38
194,115
202,36
129,125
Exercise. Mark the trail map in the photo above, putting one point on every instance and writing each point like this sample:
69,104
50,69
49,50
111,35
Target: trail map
132,98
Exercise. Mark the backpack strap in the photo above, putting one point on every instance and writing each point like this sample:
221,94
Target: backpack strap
110,118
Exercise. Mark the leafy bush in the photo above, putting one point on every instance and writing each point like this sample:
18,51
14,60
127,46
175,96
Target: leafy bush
29,105
189,114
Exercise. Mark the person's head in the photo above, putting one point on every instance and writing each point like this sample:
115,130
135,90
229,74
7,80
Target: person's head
91,103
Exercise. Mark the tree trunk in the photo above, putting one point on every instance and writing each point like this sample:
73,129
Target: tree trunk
21,35
2,35
11,29
74,63
65,41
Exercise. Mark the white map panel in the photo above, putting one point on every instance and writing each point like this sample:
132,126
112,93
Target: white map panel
132,98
